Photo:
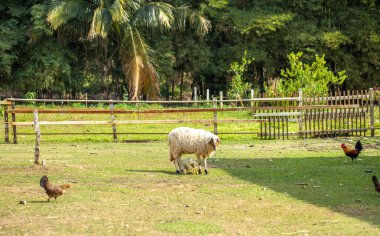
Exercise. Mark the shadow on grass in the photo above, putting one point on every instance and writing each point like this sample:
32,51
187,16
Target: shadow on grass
154,171
46,201
344,187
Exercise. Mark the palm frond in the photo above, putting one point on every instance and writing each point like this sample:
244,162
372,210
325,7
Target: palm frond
199,23
62,12
133,5
137,66
155,15
150,86
101,23
180,15
117,11
184,15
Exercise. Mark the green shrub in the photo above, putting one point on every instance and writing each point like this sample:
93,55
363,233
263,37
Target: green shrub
314,79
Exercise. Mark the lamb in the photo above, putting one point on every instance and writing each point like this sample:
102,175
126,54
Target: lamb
184,140
188,165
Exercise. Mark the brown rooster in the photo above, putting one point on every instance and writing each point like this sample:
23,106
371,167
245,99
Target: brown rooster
353,153
53,191
376,183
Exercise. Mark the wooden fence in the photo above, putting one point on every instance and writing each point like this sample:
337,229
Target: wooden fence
346,113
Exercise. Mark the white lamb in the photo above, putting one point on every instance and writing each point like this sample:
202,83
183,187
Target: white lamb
188,165
185,140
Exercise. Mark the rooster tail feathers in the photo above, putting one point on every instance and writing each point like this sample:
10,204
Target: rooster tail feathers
43,181
358,146
375,181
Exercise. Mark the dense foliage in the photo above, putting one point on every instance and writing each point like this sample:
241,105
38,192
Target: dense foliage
66,53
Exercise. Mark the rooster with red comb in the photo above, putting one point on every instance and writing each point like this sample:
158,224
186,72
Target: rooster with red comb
352,153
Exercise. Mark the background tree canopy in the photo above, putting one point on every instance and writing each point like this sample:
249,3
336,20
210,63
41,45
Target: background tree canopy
144,49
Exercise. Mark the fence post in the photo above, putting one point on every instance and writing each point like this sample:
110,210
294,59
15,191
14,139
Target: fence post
195,94
300,98
372,111
113,119
38,138
214,105
13,126
221,98
86,97
252,96
208,94
6,124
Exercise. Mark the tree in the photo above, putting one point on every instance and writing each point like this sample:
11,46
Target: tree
120,22
314,79
237,85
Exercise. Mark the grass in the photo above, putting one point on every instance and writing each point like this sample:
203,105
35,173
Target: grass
259,187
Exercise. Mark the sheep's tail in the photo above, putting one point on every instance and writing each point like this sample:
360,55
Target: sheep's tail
170,143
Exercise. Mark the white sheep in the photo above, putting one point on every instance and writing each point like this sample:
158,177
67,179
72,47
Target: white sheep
184,140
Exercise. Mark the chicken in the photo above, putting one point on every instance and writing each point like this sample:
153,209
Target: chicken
353,153
53,191
376,183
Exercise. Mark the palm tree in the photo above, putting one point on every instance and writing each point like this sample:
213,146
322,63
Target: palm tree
121,21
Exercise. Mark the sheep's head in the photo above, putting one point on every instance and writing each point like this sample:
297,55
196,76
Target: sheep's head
214,142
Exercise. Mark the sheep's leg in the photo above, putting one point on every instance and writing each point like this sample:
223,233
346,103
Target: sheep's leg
180,164
199,164
175,162
176,167
205,165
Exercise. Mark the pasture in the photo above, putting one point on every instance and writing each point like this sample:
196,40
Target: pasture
291,187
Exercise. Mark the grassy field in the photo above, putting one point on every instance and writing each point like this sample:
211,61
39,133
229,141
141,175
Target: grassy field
297,187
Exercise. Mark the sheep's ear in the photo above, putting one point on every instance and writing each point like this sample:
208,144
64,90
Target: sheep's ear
212,142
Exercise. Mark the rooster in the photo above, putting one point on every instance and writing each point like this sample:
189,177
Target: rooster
376,183
353,153
52,191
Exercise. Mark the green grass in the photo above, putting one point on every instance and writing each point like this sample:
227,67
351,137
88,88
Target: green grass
132,189
188,227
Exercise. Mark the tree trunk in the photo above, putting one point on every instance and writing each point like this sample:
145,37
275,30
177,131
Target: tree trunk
260,76
181,87
167,84
173,85
106,69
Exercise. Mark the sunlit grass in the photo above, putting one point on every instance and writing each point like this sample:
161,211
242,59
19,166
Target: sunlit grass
255,187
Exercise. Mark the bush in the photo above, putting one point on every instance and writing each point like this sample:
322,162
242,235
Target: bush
314,79
237,85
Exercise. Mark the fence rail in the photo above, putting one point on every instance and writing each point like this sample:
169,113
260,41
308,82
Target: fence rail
151,102
138,122
119,111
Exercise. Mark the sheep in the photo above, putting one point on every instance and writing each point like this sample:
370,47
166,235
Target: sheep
188,165
184,140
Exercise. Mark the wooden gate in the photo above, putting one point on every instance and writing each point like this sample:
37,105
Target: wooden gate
350,119
342,114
